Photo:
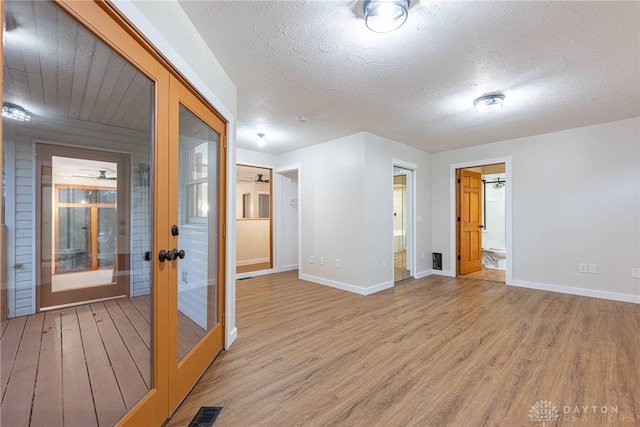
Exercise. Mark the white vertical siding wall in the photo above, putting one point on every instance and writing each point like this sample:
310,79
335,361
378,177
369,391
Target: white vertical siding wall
193,274
24,227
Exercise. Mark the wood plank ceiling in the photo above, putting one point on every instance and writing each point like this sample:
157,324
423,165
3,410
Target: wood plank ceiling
55,68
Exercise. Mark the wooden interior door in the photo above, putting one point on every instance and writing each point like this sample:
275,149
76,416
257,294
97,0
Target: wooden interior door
469,217
196,254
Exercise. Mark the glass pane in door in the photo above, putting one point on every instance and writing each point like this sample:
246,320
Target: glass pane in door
106,238
74,239
198,215
79,207
400,270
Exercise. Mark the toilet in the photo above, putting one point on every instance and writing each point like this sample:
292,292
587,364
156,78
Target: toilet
495,258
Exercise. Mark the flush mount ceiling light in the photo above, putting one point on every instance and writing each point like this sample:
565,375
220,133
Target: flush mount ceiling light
489,102
15,112
261,141
383,16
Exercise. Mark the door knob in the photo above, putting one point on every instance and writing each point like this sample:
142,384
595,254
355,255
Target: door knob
162,255
181,253
172,254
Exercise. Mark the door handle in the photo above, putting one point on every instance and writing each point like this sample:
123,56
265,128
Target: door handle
171,255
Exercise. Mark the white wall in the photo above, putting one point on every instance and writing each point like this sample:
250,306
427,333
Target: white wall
576,199
347,210
494,232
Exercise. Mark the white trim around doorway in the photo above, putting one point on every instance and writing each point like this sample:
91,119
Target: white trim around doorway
411,208
508,212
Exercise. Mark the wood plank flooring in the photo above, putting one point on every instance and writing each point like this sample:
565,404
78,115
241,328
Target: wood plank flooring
431,352
79,366
490,274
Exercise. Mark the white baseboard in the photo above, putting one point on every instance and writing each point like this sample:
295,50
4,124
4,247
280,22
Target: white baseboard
615,296
251,261
421,274
346,287
443,273
255,273
233,335
265,272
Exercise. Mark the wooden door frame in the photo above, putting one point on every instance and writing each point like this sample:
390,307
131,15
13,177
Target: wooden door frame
192,366
44,294
453,236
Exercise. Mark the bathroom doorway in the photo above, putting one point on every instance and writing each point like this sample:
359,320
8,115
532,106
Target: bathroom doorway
481,240
402,223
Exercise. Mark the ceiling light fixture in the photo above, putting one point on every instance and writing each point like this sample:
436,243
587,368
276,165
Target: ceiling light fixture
489,102
15,112
383,16
261,141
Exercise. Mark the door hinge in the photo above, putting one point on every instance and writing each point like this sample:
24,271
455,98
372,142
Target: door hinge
224,319
458,219
459,258
458,180
225,142
224,231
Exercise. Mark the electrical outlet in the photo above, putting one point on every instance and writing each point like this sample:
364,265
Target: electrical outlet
321,260
593,268
422,255
584,268
384,264
312,259
635,272
338,263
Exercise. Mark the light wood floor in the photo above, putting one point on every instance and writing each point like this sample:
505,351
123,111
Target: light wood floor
490,274
436,351
80,366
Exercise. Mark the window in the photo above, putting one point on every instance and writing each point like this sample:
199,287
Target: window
196,190
263,205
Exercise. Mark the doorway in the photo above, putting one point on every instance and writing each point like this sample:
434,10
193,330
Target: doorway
254,218
402,223
480,220
83,206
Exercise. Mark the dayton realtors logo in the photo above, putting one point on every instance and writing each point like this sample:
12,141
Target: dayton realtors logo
543,411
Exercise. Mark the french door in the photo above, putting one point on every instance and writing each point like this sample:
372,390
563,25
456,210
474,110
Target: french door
128,174
196,253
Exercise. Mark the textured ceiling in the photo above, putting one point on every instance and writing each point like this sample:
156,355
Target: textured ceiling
560,64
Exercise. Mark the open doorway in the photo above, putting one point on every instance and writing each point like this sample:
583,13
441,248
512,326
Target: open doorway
402,223
83,229
254,213
481,239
